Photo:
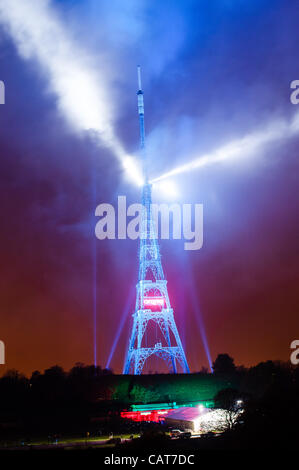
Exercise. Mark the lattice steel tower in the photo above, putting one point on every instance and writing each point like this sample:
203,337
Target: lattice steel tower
153,320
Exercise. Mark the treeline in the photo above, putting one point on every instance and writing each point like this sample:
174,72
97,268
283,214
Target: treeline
56,399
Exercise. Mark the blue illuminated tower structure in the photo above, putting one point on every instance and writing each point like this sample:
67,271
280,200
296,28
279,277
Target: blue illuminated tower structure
154,331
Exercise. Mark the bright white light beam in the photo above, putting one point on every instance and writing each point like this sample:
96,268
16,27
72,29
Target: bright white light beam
82,91
239,148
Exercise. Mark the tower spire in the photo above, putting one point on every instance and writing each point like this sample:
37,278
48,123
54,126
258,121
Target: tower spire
141,124
152,300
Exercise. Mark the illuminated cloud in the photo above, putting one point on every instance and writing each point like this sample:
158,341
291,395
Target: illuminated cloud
239,148
81,90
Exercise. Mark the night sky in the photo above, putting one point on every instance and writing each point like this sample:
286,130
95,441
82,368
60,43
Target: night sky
213,72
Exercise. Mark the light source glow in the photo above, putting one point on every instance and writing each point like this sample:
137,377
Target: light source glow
166,188
148,301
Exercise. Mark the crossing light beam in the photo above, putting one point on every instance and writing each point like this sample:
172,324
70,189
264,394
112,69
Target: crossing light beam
239,149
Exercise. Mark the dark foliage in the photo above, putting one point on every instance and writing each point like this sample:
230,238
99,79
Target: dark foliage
224,365
88,398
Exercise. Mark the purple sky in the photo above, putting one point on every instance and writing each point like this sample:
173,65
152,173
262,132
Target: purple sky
211,74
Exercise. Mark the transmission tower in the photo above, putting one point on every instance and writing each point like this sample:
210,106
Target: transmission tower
153,309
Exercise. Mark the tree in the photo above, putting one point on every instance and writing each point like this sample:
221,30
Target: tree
229,400
224,364
140,394
55,373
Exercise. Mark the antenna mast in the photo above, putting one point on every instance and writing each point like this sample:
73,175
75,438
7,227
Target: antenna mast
152,306
141,123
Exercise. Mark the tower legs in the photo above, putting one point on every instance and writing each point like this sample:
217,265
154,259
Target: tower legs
138,354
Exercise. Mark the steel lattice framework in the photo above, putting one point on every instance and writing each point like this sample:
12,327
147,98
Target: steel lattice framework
152,300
